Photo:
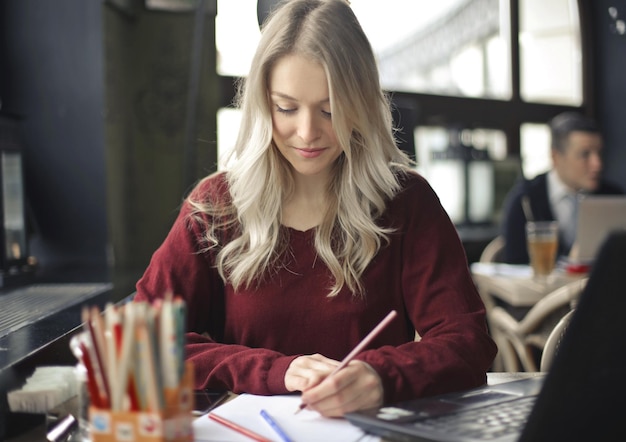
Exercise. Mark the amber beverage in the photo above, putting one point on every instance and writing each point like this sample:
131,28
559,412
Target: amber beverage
542,238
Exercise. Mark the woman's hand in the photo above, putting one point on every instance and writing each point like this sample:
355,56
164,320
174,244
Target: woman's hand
305,372
355,387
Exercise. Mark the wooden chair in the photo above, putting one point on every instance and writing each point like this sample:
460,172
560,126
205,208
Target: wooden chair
492,253
554,341
520,341
493,250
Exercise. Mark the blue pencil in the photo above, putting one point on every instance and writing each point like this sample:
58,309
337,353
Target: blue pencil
275,426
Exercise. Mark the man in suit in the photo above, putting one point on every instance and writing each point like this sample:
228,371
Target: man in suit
576,147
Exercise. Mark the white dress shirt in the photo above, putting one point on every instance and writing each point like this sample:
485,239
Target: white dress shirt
564,205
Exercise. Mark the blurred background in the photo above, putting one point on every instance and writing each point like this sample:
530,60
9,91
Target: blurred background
118,107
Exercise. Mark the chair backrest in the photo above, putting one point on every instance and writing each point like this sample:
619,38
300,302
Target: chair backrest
563,296
554,340
493,250
515,338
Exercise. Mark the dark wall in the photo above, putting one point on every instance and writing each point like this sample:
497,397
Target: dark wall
51,77
160,123
610,85
118,111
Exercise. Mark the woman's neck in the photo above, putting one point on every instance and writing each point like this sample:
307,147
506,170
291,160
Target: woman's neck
308,204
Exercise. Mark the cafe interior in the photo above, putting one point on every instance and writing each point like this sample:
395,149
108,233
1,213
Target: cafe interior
111,110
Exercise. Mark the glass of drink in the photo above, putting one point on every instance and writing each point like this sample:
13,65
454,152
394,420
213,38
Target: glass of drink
543,239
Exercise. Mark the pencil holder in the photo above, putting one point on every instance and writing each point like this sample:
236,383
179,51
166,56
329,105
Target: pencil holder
172,424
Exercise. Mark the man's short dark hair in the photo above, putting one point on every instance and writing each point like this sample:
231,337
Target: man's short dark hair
565,123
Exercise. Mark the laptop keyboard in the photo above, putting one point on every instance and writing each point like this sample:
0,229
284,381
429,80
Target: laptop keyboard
485,423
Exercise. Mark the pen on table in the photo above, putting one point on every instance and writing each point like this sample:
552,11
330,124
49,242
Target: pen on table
238,428
281,433
360,346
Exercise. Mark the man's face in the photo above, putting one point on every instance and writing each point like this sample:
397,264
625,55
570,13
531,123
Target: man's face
579,165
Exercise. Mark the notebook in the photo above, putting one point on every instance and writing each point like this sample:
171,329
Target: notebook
597,216
580,399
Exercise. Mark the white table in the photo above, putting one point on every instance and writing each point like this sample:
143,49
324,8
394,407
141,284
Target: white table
514,283
495,377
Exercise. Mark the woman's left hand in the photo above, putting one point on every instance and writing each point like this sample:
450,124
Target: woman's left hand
355,387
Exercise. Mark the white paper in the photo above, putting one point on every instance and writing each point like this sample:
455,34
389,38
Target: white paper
302,427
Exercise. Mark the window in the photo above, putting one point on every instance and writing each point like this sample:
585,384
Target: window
550,52
236,36
453,67
450,47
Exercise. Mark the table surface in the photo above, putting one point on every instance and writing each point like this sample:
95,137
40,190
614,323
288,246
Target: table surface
493,378
515,285
37,332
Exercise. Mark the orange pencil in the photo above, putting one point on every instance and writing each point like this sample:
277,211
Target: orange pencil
238,428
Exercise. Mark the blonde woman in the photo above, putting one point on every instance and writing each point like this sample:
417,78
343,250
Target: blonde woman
317,230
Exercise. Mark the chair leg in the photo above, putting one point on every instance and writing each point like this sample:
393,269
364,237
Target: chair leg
510,361
498,363
528,360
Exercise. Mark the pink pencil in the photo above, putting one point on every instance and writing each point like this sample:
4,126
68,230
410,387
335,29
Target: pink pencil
360,346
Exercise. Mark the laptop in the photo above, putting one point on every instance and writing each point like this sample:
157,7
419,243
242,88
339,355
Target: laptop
597,216
581,398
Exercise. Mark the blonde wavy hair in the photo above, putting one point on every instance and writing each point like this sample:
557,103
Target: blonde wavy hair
260,179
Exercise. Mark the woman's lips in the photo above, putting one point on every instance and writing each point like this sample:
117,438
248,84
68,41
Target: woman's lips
310,153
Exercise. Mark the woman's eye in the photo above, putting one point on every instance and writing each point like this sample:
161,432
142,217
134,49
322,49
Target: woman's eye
284,111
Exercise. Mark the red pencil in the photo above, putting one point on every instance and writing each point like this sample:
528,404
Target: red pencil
92,386
238,428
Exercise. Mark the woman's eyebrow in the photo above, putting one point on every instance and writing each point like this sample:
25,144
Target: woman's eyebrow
289,97
281,95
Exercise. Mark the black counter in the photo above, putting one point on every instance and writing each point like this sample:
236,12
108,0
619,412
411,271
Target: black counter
42,341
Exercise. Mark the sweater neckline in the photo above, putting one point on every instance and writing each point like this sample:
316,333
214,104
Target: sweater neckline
295,231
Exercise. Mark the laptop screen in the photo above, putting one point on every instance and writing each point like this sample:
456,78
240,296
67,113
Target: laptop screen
597,216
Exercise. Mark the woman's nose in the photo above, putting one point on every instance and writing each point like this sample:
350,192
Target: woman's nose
308,127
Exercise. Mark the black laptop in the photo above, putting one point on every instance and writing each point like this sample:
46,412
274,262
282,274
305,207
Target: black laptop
581,398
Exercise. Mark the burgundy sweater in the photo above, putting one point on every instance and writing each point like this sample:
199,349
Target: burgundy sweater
255,334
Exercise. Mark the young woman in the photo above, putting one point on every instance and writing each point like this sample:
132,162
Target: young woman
318,229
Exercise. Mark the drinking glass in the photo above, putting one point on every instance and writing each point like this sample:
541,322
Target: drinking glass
542,239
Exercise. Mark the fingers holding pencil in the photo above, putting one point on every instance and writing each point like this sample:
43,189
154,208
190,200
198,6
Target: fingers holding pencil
355,387
349,388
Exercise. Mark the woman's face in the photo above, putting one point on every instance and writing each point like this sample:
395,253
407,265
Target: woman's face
301,116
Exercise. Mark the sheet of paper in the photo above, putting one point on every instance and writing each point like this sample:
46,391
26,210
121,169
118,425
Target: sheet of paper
302,427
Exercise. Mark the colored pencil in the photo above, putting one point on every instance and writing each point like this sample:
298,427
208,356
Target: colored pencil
277,429
238,428
360,346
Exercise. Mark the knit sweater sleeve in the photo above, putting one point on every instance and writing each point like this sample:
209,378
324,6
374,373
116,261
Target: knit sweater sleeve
178,267
454,349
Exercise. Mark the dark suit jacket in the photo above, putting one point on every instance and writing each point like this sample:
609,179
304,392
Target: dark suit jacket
514,220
